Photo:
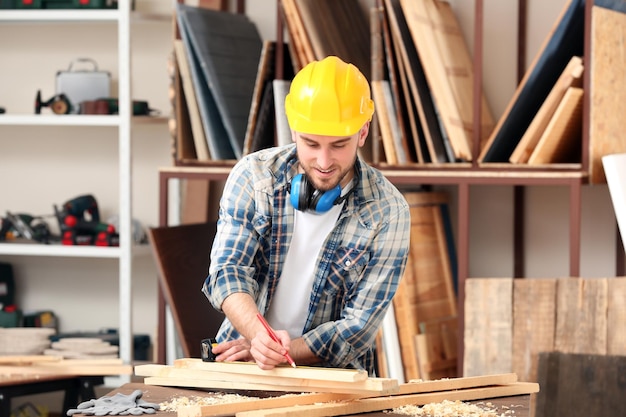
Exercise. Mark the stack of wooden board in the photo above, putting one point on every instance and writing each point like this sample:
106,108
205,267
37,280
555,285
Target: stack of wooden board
329,400
246,375
425,303
42,364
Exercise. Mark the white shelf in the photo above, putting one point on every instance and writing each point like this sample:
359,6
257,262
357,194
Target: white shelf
59,120
65,15
40,249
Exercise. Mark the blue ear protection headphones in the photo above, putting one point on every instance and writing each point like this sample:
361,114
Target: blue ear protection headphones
304,196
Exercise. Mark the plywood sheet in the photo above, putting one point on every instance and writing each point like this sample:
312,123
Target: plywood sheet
608,88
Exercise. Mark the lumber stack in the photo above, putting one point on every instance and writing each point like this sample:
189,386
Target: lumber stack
331,396
425,303
45,365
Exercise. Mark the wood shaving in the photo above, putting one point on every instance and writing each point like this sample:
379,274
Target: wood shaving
448,408
218,398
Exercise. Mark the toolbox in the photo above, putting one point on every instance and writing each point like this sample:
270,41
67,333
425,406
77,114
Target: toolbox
80,85
58,4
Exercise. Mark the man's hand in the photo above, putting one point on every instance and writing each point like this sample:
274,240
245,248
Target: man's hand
233,350
266,352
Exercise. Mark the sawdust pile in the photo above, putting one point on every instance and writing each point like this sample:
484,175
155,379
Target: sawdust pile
448,408
218,398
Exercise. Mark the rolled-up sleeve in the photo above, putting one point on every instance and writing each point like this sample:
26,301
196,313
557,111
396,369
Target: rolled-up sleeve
236,240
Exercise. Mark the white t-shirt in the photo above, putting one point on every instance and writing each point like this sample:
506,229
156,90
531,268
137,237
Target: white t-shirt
290,304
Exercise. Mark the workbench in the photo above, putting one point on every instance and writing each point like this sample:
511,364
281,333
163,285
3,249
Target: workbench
159,394
76,388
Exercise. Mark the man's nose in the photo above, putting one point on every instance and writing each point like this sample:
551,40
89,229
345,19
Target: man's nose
324,158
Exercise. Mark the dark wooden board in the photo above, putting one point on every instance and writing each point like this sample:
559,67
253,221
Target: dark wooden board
564,41
182,258
338,28
228,48
214,130
580,385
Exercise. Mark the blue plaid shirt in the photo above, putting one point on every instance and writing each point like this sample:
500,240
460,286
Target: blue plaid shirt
358,268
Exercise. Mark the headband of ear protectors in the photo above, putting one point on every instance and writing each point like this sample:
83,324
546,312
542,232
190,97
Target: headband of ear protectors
304,196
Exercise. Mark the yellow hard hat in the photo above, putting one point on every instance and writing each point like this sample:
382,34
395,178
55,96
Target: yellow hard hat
329,98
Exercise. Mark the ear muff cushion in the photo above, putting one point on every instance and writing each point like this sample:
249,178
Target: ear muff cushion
322,202
298,195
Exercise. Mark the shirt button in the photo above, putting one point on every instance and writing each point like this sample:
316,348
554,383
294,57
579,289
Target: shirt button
348,263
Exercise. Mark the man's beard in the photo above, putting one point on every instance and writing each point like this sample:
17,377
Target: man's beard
325,185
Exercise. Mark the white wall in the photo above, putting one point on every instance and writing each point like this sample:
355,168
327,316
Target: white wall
43,166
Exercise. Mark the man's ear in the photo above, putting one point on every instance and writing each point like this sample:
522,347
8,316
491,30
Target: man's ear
363,133
293,136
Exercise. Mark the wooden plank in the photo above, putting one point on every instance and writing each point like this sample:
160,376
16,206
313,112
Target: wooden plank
365,405
488,326
436,138
259,404
424,35
182,60
449,384
397,80
337,28
385,123
177,378
616,316
268,382
250,368
608,88
28,359
265,72
534,320
562,140
183,147
566,39
571,77
459,67
68,369
297,33
581,319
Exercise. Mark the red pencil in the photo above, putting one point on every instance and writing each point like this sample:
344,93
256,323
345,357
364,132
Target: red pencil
274,337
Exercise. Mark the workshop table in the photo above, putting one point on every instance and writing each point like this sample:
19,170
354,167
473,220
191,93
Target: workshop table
159,394
76,388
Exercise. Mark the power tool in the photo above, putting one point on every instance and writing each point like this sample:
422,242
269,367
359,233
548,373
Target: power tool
16,225
79,221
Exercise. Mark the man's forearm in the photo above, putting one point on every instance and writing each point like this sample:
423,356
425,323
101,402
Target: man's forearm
241,310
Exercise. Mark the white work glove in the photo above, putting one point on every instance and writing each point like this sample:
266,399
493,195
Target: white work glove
116,405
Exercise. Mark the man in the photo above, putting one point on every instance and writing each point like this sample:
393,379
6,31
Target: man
309,235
